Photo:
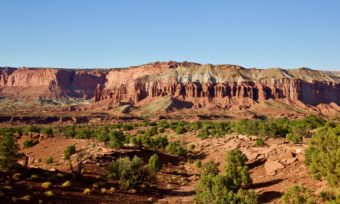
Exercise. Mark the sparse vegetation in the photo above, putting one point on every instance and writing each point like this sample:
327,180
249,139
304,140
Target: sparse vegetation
154,163
71,149
298,195
28,143
259,142
129,173
176,148
117,139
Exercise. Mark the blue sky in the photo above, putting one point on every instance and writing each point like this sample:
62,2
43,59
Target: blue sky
119,33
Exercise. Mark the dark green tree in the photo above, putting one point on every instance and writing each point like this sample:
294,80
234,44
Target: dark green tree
8,152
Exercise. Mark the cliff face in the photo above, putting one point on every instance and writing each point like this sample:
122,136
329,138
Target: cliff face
221,86
44,83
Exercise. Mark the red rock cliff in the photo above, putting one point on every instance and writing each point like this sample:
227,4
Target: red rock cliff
222,85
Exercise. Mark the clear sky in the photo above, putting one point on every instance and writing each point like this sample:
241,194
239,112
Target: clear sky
119,33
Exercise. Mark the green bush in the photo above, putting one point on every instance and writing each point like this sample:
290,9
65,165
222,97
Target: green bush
180,130
216,129
70,131
85,134
322,156
71,149
211,167
198,164
154,163
311,122
117,139
236,168
129,173
151,132
127,127
217,189
33,129
103,135
294,138
161,130
259,142
8,152
176,148
28,143
47,131
298,195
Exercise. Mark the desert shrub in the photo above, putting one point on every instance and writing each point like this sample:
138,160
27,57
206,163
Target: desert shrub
85,134
77,167
247,197
70,131
217,129
274,128
163,124
298,195
49,160
28,143
156,143
236,168
181,130
294,138
117,139
154,163
246,127
204,133
71,149
259,142
127,127
312,122
161,130
47,131
213,189
322,155
297,133
221,128
176,148
198,164
137,141
217,189
211,167
152,124
129,173
8,152
103,135
151,132
33,128
327,196
195,126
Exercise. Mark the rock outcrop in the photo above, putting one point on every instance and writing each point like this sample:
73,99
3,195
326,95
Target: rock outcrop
52,84
220,86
